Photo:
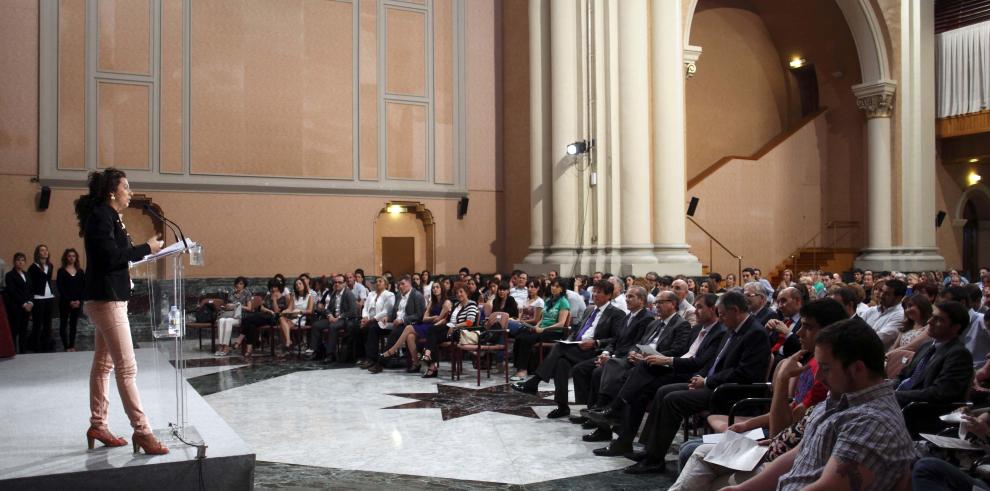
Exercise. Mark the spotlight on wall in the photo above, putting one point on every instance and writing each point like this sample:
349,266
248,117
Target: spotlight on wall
692,206
939,218
577,147
973,178
797,62
974,160
395,209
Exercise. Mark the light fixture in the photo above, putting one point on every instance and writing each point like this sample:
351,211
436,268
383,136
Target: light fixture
395,209
577,147
796,62
974,160
973,178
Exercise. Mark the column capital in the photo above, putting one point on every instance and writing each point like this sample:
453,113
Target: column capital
691,55
876,98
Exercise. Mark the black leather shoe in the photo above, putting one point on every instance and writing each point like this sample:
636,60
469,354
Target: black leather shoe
599,435
329,360
578,420
375,368
636,456
524,388
560,412
646,466
606,418
585,411
589,426
615,449
364,364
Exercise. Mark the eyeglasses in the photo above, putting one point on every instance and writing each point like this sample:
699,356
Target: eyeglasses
338,282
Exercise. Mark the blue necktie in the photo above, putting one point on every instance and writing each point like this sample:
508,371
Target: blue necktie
588,323
720,353
918,372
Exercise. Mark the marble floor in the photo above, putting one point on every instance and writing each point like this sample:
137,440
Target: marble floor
316,427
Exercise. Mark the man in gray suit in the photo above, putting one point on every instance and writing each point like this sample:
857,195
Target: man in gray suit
341,312
409,308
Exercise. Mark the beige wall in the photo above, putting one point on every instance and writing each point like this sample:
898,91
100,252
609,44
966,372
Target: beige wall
739,69
18,87
778,218
515,129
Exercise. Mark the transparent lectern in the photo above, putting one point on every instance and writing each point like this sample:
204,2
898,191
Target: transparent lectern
160,283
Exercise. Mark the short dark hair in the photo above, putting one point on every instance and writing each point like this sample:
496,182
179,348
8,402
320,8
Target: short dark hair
930,288
958,314
19,255
406,277
851,341
824,311
464,270
503,285
748,270
709,299
665,280
605,287
899,287
241,279
975,293
359,271
715,277
734,299
848,296
957,294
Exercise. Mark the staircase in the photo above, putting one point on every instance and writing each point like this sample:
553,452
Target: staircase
831,259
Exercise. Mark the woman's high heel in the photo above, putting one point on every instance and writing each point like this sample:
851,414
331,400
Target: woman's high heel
149,444
104,437
387,354
431,373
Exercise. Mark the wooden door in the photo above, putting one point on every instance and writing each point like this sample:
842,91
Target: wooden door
399,255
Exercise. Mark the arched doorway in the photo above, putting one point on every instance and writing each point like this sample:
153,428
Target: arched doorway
973,214
404,238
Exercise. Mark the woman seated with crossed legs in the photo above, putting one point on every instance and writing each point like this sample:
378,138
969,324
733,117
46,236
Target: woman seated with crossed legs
300,306
556,318
437,309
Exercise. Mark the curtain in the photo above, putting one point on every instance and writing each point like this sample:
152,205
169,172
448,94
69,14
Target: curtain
962,70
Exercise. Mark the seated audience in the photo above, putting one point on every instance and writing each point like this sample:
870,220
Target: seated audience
374,320
756,300
856,439
888,316
301,303
530,310
338,314
743,358
600,323
268,314
975,337
437,309
465,315
786,323
943,369
553,325
408,309
238,302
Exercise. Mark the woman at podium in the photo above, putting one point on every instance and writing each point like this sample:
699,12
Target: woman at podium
107,289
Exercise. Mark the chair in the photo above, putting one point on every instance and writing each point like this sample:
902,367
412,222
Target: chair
481,351
210,326
725,396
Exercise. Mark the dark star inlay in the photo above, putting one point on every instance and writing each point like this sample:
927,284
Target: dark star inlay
456,402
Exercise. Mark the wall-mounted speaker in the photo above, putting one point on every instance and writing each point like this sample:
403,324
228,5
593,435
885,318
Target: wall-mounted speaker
462,207
939,218
44,197
693,206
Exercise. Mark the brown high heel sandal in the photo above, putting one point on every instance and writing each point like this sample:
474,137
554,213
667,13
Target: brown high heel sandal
149,444
105,437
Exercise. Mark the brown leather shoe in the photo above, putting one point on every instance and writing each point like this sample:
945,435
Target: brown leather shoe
376,368
364,364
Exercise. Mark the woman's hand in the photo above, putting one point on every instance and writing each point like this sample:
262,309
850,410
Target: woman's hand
538,330
155,243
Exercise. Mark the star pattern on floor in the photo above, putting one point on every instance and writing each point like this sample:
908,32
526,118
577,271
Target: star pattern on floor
457,402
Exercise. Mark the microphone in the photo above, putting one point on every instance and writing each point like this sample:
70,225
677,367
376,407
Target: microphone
171,225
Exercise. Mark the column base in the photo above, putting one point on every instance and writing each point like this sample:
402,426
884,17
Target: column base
675,259
902,259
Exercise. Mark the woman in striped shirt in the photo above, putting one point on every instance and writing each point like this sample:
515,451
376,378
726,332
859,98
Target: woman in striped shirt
465,314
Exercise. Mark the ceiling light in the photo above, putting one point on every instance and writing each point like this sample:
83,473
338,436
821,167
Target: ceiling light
395,209
974,160
797,62
973,178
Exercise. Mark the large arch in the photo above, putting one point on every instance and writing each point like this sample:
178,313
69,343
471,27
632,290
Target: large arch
866,31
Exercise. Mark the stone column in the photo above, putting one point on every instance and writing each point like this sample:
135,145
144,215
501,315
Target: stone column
540,178
877,100
634,136
566,113
918,182
669,146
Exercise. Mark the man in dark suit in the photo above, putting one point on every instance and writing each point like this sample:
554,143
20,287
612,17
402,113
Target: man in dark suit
942,370
341,312
744,358
668,335
657,371
17,294
597,326
409,308
756,299
784,326
588,374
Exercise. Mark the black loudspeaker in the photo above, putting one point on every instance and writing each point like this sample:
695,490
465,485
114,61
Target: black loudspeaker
462,206
939,218
693,206
44,197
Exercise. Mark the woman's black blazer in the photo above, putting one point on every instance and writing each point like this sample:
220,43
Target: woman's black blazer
108,249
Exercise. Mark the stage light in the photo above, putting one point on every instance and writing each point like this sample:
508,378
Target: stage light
577,147
973,178
796,62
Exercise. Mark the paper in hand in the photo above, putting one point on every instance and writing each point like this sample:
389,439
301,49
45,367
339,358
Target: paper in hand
755,435
647,350
949,442
737,452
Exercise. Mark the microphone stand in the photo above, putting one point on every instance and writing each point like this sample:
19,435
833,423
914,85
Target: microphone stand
171,225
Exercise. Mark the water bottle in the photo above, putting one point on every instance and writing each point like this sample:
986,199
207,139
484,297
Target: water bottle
173,321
